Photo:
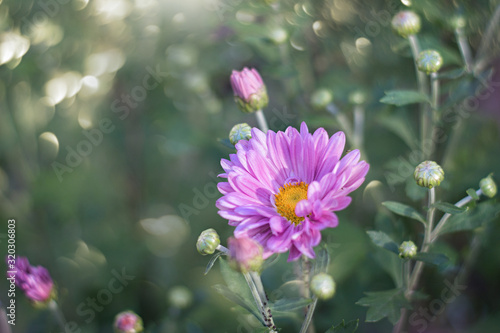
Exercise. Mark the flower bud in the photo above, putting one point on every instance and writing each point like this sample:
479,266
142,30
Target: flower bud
458,22
245,254
249,90
180,297
429,61
488,186
278,35
34,281
406,23
128,322
207,242
428,174
407,250
321,98
357,97
240,132
323,286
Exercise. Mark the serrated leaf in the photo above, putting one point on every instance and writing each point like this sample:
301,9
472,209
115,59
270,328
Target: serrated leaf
383,240
290,304
472,193
474,218
322,260
350,327
449,208
384,304
237,299
404,210
212,262
431,258
403,97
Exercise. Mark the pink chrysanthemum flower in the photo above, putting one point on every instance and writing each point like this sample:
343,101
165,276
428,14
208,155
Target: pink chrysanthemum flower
283,188
34,281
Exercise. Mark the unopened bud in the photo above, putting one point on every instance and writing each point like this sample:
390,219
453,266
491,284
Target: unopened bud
245,254
357,97
278,35
323,286
429,61
207,242
428,174
406,23
128,322
240,132
488,186
249,90
407,250
458,22
321,98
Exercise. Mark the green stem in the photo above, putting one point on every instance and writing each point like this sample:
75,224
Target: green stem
442,222
464,48
222,249
56,311
265,302
255,294
261,120
309,315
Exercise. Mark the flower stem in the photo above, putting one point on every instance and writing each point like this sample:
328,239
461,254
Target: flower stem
464,48
261,120
56,311
425,122
461,203
309,315
259,295
359,124
222,249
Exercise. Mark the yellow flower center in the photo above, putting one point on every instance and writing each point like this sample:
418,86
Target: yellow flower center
287,199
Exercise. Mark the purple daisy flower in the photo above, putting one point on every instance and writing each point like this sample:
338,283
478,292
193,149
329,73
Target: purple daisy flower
283,188
34,281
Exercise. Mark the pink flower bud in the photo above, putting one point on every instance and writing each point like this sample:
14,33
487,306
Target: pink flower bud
245,254
128,322
34,281
249,90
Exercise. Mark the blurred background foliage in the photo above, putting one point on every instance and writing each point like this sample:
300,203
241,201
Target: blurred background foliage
74,71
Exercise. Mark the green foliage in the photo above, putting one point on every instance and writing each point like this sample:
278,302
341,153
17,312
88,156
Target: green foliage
212,261
449,208
437,259
383,240
483,214
383,304
404,210
403,97
343,327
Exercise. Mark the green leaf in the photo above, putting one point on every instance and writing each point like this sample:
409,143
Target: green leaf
452,74
383,240
404,210
474,218
271,261
212,262
236,282
290,304
401,126
403,97
449,208
431,258
226,143
322,261
237,299
472,193
350,327
384,304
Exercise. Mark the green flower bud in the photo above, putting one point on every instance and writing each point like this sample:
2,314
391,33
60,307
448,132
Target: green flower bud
406,23
240,132
458,22
357,97
407,250
488,186
429,61
428,174
208,241
321,98
323,286
180,297
278,35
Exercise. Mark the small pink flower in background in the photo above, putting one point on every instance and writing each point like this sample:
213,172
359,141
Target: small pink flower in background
245,254
35,282
249,90
282,188
128,322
